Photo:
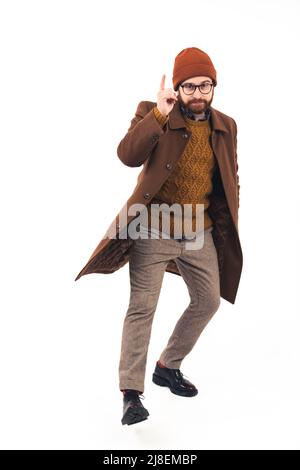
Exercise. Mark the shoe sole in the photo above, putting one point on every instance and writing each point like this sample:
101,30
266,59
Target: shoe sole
133,416
164,383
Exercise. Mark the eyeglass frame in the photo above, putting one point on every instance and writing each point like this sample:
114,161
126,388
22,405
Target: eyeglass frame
197,86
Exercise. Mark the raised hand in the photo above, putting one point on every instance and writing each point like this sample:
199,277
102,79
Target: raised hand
166,98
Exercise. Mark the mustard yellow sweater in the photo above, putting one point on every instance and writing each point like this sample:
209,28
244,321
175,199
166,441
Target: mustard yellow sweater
191,180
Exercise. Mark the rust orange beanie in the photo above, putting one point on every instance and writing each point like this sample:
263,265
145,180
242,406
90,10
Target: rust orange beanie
191,62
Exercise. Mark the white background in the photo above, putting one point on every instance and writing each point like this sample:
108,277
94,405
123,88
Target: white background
72,74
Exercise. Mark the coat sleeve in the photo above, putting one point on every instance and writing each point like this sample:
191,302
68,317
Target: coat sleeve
236,163
141,137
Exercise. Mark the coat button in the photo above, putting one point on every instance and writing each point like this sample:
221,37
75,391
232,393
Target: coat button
154,138
146,195
169,166
185,136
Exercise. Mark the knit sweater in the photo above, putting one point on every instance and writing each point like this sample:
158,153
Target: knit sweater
189,183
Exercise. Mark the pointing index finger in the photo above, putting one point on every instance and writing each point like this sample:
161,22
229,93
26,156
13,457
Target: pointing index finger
162,83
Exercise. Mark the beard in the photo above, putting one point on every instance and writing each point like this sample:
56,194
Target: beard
196,106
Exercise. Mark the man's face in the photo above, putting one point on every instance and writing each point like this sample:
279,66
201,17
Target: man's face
197,102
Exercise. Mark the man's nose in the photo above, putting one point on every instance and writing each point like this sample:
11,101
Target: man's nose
198,92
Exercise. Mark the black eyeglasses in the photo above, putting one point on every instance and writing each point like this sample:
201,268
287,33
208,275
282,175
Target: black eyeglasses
204,87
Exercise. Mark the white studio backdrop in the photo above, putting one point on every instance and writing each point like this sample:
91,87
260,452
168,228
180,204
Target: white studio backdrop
72,74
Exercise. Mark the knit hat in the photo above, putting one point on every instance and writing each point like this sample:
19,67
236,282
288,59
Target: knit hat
191,62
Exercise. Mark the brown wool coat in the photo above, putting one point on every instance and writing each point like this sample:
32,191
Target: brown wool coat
158,149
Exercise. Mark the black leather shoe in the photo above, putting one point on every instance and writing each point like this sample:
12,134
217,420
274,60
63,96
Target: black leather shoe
173,378
133,409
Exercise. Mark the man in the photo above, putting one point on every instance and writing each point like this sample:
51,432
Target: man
201,172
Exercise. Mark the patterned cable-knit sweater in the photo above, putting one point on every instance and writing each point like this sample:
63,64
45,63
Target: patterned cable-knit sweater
190,181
